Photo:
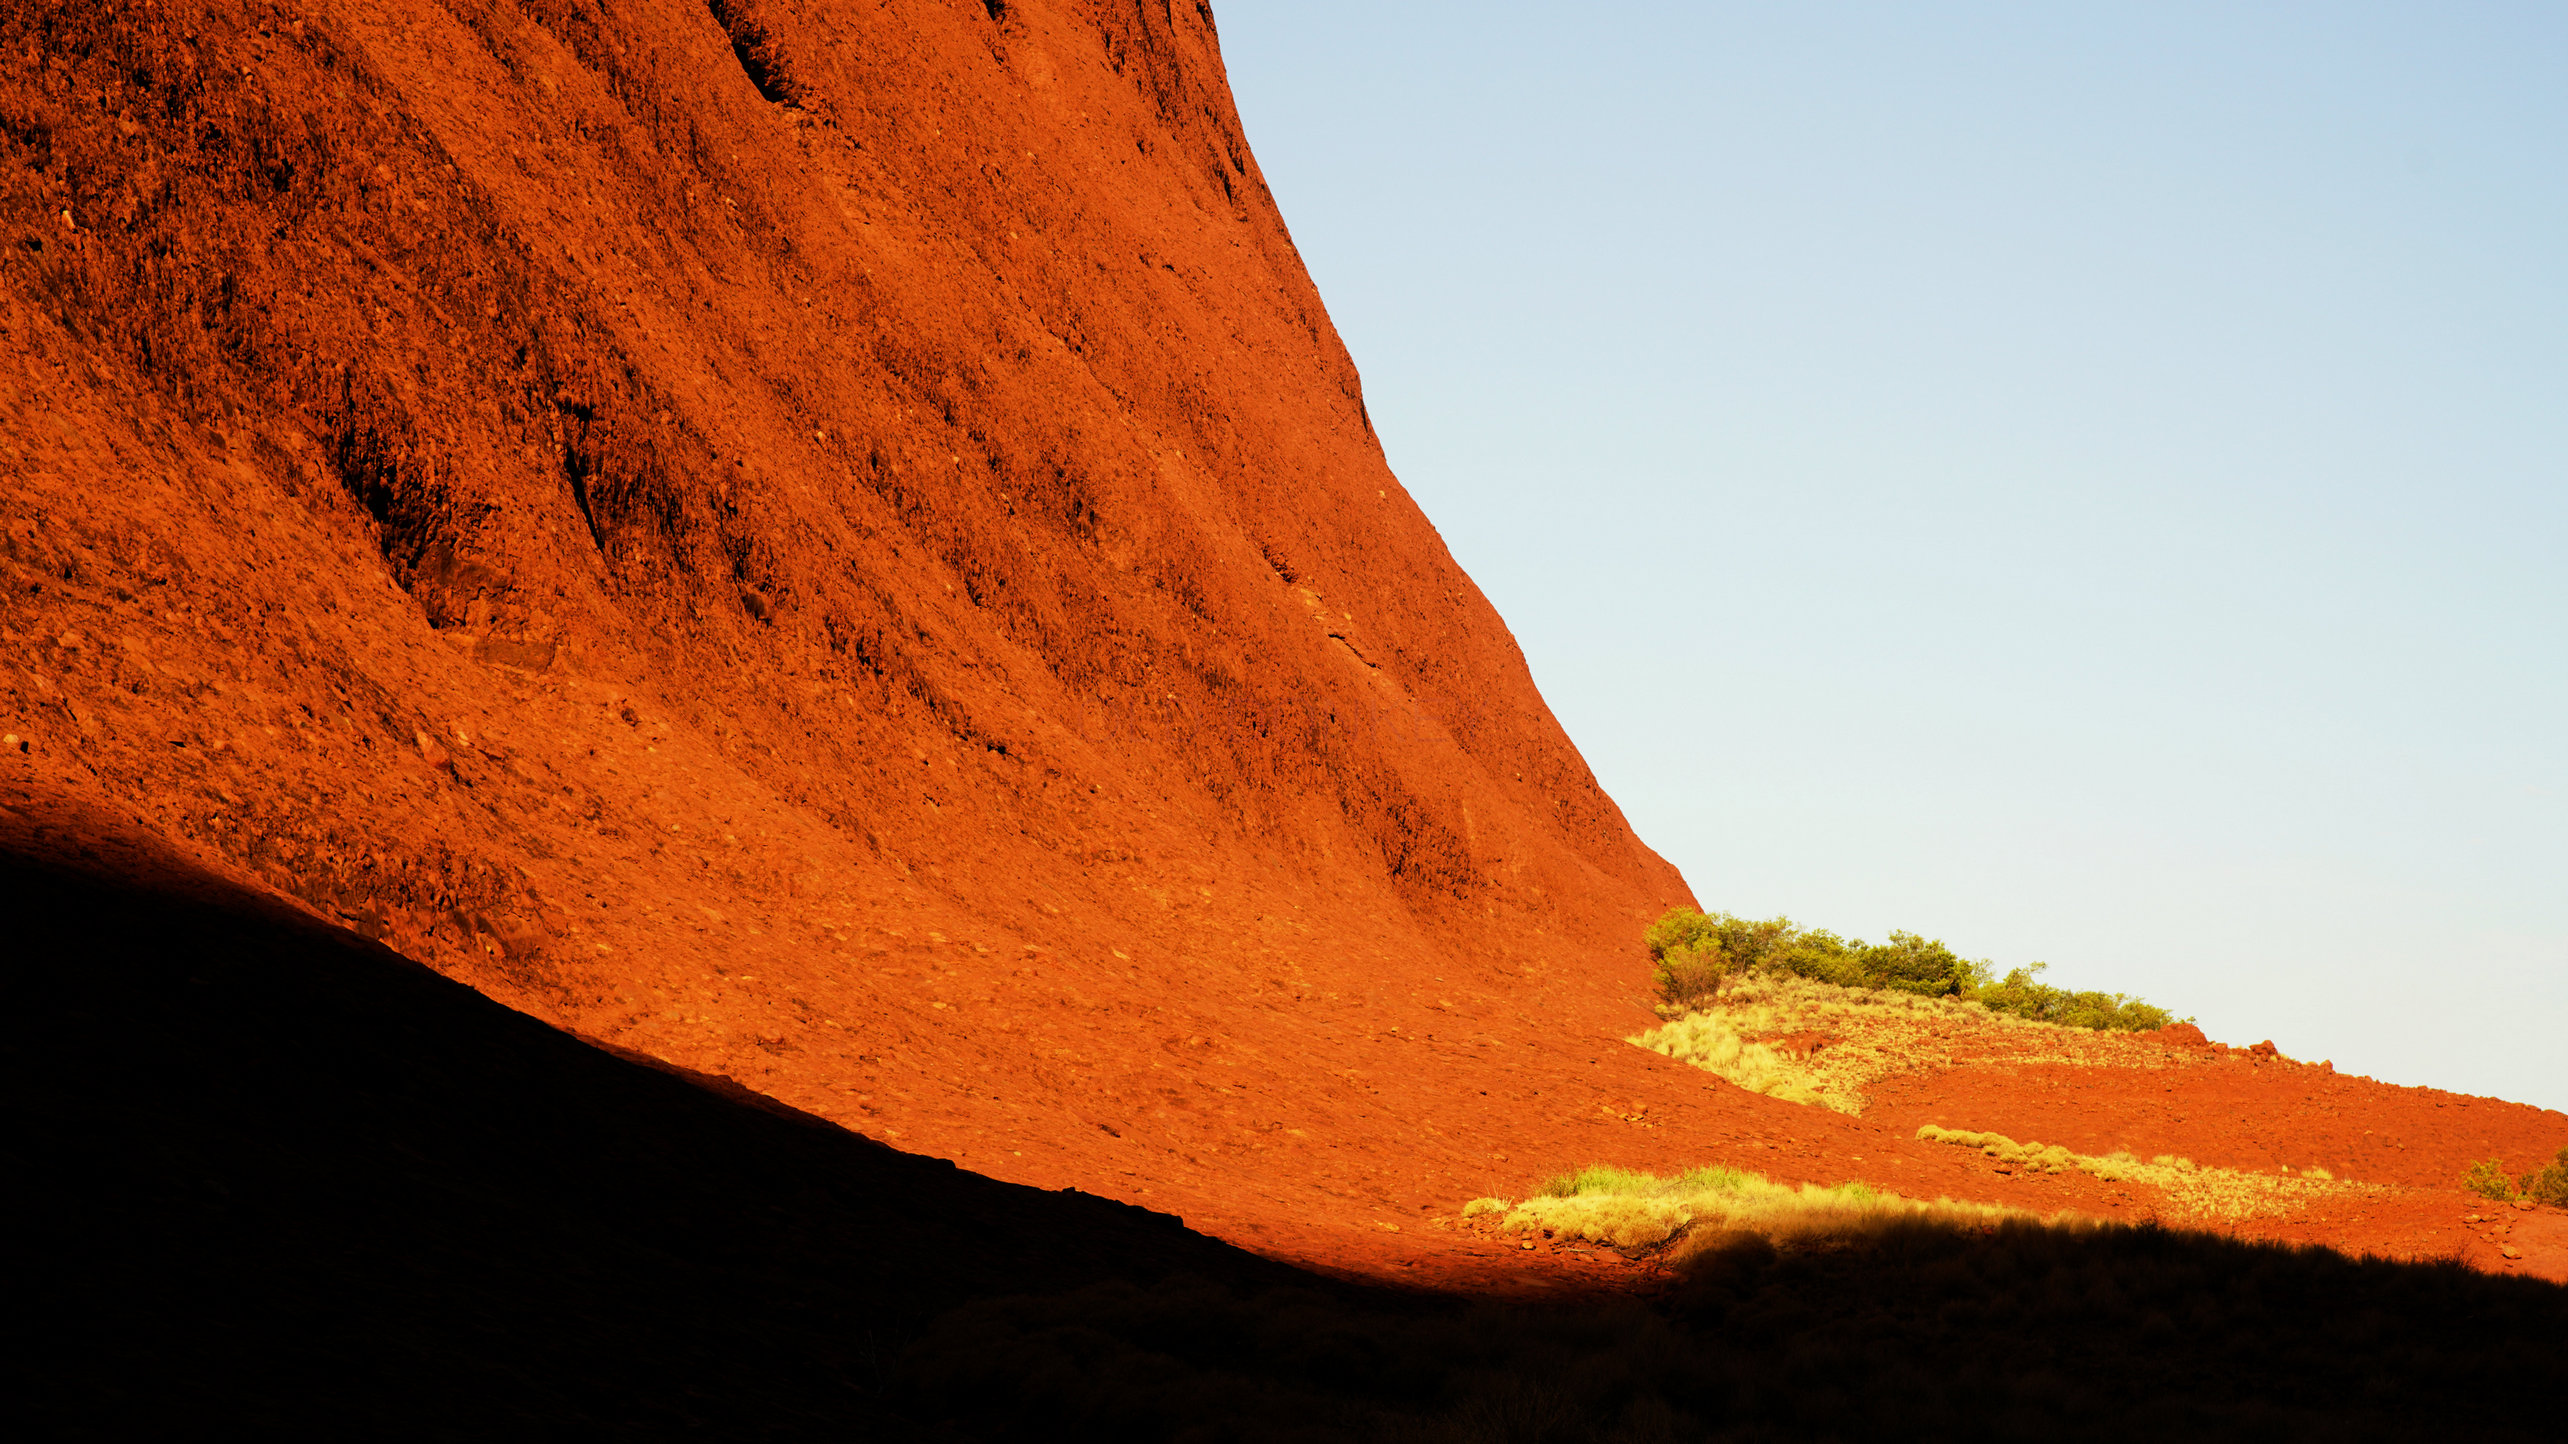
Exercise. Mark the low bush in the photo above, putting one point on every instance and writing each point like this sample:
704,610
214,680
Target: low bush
1696,954
1689,975
2487,1178
2548,1184
2020,993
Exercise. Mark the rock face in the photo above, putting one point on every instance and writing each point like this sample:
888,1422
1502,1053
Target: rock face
832,544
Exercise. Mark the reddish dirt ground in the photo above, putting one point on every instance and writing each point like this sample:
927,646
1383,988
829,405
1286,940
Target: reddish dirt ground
844,553
2232,1108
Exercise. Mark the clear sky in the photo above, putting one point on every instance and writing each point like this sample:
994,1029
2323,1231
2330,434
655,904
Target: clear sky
2087,483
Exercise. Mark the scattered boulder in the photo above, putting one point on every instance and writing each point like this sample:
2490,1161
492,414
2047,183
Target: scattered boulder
532,656
2182,1034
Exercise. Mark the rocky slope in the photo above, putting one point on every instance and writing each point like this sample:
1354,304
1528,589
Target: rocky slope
835,546
832,544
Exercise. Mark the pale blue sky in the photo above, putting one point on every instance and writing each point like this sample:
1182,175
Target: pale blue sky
2088,483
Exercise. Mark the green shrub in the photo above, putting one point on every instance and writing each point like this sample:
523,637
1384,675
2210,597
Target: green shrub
2548,1185
2019,993
1688,975
2487,1178
1696,954
1911,964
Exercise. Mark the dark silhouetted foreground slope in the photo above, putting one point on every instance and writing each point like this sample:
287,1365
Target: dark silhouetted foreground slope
273,1179
270,1174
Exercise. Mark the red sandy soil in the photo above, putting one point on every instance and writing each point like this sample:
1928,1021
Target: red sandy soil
846,554
2239,1109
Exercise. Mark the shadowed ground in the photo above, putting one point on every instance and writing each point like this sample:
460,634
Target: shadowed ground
271,1173
274,1175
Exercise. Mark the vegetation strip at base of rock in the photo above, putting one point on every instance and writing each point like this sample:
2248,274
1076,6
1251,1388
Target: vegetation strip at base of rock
1695,955
1850,1038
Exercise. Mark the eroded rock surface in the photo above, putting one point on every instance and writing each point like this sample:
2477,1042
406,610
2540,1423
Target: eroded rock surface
834,545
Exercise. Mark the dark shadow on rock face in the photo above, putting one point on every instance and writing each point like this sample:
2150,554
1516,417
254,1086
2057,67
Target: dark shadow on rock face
267,1172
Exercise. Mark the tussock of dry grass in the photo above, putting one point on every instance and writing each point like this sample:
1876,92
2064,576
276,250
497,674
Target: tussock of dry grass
2034,1156
1635,1211
1877,1034
1713,1041
2191,1191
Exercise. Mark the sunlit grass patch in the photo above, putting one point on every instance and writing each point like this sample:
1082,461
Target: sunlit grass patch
2190,1189
1870,1034
1712,1041
2033,1156
1635,1211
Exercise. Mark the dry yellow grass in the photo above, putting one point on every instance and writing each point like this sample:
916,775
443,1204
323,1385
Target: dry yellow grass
1636,1211
2191,1191
1876,1035
1713,1040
